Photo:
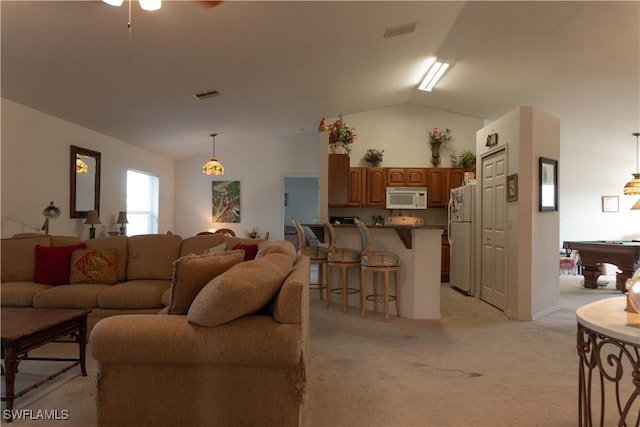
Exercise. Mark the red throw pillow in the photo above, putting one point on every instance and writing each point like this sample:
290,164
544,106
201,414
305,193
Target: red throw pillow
250,251
53,264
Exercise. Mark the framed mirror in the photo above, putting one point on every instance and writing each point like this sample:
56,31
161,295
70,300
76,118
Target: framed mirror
85,182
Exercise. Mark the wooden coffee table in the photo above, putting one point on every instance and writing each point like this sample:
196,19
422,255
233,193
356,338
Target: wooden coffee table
25,329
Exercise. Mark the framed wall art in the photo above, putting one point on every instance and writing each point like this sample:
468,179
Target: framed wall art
492,139
548,176
225,201
512,187
610,204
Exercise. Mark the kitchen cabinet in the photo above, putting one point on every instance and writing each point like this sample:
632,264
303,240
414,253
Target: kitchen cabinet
376,187
438,187
445,259
357,184
338,180
457,177
406,177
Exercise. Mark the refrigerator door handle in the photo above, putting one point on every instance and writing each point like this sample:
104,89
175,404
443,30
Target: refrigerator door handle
449,221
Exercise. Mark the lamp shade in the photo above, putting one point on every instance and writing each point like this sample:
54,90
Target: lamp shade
92,218
213,167
633,187
122,218
636,207
150,4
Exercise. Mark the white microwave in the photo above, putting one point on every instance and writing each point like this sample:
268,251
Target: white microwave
406,198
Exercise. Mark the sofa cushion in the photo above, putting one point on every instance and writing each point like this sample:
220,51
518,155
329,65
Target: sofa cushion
93,266
196,245
134,294
120,244
53,264
18,258
243,289
192,272
151,256
279,247
20,294
70,296
250,251
64,240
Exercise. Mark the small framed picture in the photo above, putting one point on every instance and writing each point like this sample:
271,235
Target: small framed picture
492,139
512,187
610,204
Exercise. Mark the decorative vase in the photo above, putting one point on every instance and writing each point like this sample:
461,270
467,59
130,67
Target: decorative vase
339,149
435,154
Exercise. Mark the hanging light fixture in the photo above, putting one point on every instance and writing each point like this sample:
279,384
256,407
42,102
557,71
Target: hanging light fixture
81,165
144,4
213,166
633,187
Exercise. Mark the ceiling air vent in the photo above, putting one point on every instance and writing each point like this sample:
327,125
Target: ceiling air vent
204,95
399,30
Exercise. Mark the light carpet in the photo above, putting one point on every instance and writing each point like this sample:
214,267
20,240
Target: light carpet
475,367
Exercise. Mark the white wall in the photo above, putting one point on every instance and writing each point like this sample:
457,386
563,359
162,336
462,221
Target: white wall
35,150
532,251
260,166
401,131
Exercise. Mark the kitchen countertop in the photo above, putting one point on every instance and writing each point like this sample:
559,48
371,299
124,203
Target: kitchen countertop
403,231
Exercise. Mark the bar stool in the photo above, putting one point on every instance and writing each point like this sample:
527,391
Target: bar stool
344,259
377,262
317,256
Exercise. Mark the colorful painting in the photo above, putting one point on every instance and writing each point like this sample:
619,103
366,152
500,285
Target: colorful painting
225,201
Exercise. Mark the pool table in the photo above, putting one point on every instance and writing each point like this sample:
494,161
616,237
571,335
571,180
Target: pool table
625,254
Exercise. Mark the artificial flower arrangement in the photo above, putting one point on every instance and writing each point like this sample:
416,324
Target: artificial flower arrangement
438,136
341,134
254,233
374,156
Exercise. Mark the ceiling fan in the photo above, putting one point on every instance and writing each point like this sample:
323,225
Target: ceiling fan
156,4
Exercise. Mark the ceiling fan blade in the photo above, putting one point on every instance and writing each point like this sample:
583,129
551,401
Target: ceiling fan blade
209,4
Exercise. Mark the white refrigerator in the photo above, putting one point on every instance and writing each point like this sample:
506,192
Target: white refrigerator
461,234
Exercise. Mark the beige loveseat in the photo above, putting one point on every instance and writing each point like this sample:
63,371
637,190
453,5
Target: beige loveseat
143,271
232,355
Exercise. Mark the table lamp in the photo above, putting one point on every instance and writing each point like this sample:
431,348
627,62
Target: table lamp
122,220
93,219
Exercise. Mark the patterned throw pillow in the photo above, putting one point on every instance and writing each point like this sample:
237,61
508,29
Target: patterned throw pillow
216,249
94,266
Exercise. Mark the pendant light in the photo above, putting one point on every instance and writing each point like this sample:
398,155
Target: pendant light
213,166
144,4
633,187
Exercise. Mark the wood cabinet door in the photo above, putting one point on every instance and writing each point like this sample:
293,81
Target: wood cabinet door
438,187
376,185
396,177
457,177
416,177
338,179
356,186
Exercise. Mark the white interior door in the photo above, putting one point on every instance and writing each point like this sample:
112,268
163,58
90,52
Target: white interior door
494,272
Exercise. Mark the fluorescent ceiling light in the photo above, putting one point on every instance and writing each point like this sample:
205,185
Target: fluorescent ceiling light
436,71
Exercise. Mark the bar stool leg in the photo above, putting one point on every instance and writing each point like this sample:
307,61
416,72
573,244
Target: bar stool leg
386,295
397,288
328,285
363,281
376,293
345,292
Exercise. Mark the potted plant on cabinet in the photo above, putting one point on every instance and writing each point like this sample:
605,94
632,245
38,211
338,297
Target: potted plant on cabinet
374,157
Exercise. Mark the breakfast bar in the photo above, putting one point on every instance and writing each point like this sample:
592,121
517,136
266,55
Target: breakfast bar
419,249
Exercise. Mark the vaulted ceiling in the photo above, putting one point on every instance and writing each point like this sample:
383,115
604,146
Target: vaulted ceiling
281,66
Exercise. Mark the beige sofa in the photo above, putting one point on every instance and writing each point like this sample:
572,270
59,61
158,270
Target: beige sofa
144,267
236,357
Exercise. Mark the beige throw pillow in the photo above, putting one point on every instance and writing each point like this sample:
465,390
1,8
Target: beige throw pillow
192,272
243,289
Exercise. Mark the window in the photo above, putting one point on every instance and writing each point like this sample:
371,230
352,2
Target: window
142,203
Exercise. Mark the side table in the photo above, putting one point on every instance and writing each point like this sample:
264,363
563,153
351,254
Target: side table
608,345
